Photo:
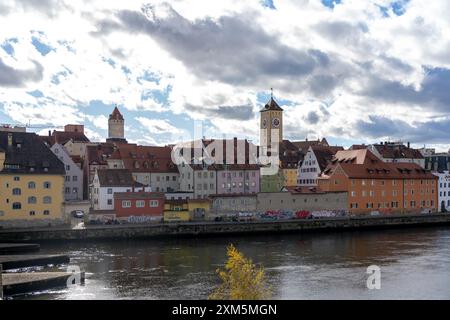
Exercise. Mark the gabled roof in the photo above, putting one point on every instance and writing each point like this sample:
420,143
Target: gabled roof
62,137
271,105
116,115
28,154
303,146
324,155
363,164
397,151
116,178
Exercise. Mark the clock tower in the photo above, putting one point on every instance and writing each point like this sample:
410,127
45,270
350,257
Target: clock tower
271,122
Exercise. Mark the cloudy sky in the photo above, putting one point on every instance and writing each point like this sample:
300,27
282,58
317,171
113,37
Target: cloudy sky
350,70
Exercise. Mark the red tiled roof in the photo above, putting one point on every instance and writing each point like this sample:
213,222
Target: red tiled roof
397,151
363,164
116,115
62,137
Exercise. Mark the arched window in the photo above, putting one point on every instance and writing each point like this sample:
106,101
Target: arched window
46,212
32,200
17,206
47,199
17,191
31,185
47,185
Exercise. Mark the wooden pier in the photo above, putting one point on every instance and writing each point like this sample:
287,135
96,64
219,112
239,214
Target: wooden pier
20,283
14,248
23,261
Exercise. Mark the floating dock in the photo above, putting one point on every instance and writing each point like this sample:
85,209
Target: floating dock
13,248
23,261
21,283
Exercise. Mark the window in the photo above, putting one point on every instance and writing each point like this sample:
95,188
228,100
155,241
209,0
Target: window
67,190
354,206
140,203
74,178
47,185
109,202
126,204
110,191
75,190
17,206
2,213
46,212
32,213
32,200
16,178
154,203
17,191
67,178
31,185
47,199
67,167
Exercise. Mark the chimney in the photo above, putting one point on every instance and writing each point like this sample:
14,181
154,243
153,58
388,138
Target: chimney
409,144
10,139
49,133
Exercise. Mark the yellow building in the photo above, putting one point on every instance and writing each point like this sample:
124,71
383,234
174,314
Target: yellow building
290,177
176,210
31,182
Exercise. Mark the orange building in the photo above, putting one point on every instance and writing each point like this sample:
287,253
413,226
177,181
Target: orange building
374,185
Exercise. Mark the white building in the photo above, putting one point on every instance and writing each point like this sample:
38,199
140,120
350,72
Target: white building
109,181
444,191
315,161
73,184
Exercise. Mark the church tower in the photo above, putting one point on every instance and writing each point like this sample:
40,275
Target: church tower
271,121
116,125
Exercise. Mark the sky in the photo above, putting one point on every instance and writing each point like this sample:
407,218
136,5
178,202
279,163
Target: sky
352,71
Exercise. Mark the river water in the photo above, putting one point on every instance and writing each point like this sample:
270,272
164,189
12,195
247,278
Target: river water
415,264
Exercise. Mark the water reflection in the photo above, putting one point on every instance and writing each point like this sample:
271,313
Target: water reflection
414,264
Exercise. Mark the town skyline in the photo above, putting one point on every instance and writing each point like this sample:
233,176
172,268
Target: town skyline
361,69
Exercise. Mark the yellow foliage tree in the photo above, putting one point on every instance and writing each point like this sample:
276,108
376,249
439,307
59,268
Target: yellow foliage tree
241,279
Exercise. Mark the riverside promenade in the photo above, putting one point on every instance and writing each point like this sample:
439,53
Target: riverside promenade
189,229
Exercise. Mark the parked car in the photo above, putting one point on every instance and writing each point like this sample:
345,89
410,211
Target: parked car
79,214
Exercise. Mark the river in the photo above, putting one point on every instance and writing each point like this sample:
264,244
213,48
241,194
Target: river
415,264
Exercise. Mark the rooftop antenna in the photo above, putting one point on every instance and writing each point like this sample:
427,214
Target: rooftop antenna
271,93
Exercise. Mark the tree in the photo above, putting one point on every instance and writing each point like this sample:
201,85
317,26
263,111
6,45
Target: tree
241,279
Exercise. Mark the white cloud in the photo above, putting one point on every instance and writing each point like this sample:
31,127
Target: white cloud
201,57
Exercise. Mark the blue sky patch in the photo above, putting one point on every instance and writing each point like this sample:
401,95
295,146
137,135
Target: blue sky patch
41,47
268,4
331,3
8,47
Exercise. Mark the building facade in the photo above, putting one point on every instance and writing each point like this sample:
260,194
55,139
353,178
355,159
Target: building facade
376,186
444,191
73,180
107,182
139,204
315,161
31,182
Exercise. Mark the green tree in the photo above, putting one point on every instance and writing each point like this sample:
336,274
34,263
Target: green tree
241,279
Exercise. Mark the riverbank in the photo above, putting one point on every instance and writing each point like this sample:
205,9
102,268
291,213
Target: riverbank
223,228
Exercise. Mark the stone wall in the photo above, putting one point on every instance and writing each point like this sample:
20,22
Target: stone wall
297,202
177,229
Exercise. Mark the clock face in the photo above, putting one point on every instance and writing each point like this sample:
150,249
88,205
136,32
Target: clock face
264,123
276,122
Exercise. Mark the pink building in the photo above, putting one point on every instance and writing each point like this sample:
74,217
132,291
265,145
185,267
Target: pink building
238,178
